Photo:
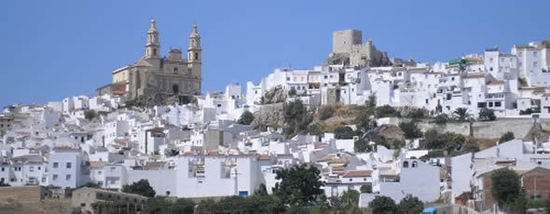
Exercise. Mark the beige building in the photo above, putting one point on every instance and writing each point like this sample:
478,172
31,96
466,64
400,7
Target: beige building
92,200
160,77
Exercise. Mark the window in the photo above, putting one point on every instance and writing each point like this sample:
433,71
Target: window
167,192
67,177
31,169
2,169
497,104
175,70
55,164
54,177
39,168
69,165
83,204
405,164
490,104
414,164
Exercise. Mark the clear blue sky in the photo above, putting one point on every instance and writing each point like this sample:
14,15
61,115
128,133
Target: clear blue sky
55,49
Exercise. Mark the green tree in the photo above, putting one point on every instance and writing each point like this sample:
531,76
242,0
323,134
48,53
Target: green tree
386,111
296,117
344,132
371,102
508,136
292,92
261,191
410,205
471,145
350,198
92,185
90,114
383,205
246,118
364,122
448,141
461,114
299,185
141,187
366,188
163,206
316,129
417,113
441,119
361,146
486,114
410,130
506,186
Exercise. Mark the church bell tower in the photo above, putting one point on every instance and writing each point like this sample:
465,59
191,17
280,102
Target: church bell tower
194,57
152,48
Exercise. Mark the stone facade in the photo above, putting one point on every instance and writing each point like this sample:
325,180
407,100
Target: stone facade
107,201
159,78
348,49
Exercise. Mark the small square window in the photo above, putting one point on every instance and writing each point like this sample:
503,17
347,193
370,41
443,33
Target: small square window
69,164
67,177
55,164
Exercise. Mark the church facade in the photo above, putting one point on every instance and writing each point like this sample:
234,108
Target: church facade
158,78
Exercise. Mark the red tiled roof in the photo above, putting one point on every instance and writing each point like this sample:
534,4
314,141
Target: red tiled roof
496,82
357,173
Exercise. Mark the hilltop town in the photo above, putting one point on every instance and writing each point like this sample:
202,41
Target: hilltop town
358,130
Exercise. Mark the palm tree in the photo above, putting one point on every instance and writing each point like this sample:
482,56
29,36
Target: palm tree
461,114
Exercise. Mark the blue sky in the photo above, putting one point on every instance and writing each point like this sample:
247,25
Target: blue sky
55,49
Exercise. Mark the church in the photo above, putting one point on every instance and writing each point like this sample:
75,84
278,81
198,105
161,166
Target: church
160,78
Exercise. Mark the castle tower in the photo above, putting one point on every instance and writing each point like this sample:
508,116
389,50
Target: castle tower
194,54
152,48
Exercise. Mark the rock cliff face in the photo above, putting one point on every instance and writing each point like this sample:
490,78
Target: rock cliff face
274,95
269,116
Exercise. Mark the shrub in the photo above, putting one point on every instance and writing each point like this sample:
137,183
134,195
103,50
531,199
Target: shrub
383,205
410,205
410,130
326,111
90,114
344,132
386,111
441,119
486,114
246,118
508,136
461,114
366,188
417,113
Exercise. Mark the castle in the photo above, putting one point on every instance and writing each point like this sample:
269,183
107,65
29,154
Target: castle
156,78
348,49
